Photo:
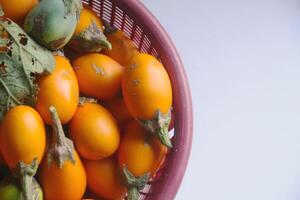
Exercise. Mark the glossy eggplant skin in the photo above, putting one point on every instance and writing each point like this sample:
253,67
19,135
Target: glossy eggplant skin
50,23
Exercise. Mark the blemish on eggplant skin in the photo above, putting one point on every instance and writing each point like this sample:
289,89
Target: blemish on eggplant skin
98,69
57,43
67,72
133,66
136,82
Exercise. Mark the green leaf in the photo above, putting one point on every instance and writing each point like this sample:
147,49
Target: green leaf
21,59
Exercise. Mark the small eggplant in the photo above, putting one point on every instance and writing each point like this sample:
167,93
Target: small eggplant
11,189
52,22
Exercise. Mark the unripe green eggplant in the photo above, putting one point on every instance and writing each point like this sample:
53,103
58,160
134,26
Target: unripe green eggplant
52,22
10,189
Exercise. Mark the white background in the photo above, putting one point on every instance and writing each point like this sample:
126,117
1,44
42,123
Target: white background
243,62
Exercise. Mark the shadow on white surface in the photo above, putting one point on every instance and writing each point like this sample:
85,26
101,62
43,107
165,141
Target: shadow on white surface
243,62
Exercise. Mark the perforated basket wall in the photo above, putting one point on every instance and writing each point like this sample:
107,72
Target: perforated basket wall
140,25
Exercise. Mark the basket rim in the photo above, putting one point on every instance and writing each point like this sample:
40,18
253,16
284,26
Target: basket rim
174,171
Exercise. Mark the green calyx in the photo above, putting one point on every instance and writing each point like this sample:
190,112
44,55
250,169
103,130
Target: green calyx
92,39
159,125
29,186
134,184
61,148
73,7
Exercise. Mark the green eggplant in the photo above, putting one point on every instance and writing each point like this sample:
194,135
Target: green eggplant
10,189
52,22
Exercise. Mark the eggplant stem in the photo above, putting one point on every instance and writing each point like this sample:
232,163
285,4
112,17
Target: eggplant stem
134,184
25,174
61,147
159,126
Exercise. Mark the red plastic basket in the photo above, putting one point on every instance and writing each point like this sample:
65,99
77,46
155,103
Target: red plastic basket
135,20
